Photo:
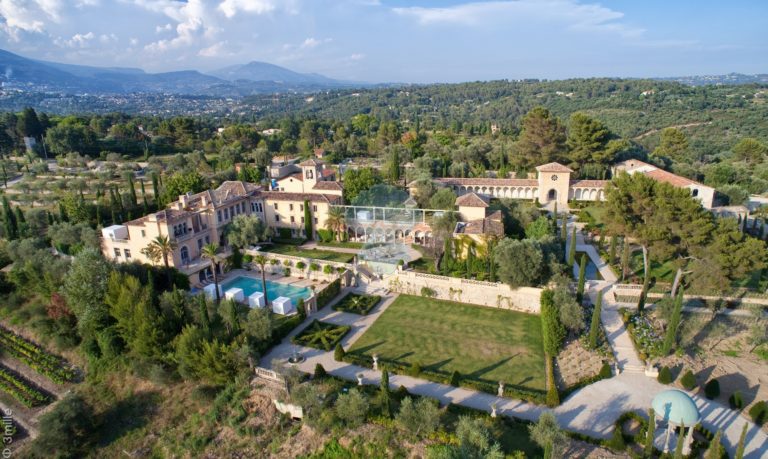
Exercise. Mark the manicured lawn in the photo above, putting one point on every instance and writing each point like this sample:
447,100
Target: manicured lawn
314,253
483,344
357,303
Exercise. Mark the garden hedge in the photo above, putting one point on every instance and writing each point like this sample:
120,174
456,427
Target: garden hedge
688,380
712,389
665,376
759,412
328,293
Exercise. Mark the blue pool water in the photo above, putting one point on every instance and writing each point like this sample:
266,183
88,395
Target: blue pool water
274,289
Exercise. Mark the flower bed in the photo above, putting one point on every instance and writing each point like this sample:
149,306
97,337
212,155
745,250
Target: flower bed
647,341
20,389
321,335
357,303
37,358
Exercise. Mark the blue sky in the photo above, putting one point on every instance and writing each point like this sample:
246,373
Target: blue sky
398,40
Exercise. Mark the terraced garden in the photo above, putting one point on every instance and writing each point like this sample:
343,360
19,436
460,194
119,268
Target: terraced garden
21,389
321,335
357,303
51,366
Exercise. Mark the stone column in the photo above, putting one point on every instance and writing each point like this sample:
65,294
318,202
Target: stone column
666,437
500,392
375,361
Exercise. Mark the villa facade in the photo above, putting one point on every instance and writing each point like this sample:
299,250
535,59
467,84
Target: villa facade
195,220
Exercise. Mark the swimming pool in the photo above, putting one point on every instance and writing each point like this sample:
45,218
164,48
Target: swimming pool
274,289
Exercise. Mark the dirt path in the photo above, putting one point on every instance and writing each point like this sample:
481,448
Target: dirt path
677,126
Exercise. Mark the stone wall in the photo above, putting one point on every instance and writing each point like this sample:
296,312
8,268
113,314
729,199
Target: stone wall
495,295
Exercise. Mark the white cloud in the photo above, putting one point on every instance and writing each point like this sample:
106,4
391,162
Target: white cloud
163,28
27,16
230,8
220,49
357,57
312,42
565,13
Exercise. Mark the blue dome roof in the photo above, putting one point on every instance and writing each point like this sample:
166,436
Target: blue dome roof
677,407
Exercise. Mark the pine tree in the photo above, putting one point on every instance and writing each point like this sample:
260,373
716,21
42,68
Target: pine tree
594,328
612,250
674,323
582,278
742,442
649,436
572,249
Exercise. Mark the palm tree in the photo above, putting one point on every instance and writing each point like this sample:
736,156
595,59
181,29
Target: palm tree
210,252
336,220
152,254
164,246
261,260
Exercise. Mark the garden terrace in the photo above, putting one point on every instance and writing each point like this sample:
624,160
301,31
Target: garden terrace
484,345
294,251
357,303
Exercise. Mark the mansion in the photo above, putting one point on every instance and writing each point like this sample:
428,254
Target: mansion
195,220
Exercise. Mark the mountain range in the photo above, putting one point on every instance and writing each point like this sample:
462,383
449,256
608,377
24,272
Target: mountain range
18,72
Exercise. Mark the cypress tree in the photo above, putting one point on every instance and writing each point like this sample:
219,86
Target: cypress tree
612,250
554,220
132,191
19,215
386,404
742,443
308,220
650,434
674,322
601,240
155,189
624,257
572,249
643,295
714,450
205,320
680,442
9,220
582,278
744,224
594,328
144,198
761,228
564,228
62,213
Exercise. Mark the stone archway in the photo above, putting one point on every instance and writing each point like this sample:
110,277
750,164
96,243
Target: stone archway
552,195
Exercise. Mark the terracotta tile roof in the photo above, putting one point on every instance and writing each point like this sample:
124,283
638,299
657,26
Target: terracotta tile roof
312,197
311,162
328,185
471,200
328,172
553,167
661,175
588,183
490,226
484,181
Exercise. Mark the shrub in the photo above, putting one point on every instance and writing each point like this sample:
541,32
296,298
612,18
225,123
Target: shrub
428,292
455,379
338,353
328,293
605,371
553,397
712,389
759,412
320,371
665,376
688,380
736,401
415,369
325,235
286,272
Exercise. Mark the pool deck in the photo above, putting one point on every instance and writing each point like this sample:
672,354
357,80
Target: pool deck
278,278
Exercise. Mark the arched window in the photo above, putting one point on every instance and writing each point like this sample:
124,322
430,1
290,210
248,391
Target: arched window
184,254
310,174
695,192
